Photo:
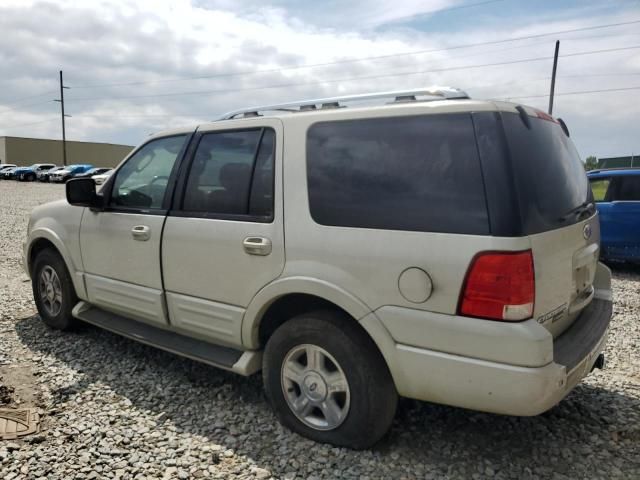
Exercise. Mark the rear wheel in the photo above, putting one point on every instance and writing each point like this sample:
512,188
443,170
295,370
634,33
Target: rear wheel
31,177
53,290
326,380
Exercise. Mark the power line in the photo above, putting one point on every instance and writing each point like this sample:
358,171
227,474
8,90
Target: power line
24,106
18,100
585,75
361,59
347,79
28,124
207,114
582,92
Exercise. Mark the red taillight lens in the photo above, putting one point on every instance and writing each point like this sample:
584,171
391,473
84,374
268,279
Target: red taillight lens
499,286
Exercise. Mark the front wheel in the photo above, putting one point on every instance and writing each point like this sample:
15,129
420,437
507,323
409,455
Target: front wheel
53,290
327,381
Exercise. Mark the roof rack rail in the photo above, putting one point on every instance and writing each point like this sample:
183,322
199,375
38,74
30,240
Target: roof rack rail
399,96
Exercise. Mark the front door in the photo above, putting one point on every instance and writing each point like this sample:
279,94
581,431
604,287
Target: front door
121,245
223,239
621,218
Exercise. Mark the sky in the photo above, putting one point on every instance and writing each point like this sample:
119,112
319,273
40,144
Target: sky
136,67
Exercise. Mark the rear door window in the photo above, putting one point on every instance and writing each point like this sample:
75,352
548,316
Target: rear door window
232,175
627,189
419,173
599,188
549,175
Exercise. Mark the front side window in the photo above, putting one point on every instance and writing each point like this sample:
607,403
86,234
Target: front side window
142,181
599,188
419,173
232,174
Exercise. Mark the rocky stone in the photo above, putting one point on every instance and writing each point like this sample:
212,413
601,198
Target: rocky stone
114,408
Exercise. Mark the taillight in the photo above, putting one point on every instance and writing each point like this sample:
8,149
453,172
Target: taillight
499,286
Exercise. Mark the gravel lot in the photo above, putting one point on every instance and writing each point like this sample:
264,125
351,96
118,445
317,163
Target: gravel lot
112,408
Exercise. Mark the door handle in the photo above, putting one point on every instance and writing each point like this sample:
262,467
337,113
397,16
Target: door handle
257,245
141,233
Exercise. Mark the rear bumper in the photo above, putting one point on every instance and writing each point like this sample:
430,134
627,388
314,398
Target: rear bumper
482,383
625,252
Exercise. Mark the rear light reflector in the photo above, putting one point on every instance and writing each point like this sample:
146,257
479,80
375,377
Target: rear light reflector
499,286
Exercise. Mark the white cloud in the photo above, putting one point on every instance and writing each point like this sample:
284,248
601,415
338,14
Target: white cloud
106,42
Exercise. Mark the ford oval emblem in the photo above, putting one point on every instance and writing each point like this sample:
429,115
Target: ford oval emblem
586,232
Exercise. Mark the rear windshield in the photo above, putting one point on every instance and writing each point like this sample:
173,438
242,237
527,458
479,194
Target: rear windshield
550,177
418,173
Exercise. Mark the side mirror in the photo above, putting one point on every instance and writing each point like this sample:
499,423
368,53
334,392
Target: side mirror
81,192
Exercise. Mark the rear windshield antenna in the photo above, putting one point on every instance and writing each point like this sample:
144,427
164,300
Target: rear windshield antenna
524,117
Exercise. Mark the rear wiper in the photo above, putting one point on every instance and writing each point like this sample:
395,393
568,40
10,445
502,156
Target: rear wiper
586,207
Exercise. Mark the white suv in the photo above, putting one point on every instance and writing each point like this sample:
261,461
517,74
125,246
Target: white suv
433,247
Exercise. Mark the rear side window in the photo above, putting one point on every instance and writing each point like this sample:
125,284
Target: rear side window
419,173
627,189
549,175
599,188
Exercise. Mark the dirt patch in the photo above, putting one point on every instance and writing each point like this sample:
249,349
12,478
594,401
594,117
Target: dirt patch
6,394
18,386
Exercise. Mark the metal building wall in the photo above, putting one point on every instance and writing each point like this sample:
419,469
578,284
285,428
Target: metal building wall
3,155
27,151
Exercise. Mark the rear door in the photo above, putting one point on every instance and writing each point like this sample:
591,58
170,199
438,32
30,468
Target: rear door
223,240
623,218
558,214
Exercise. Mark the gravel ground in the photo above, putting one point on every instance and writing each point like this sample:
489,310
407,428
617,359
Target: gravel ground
112,408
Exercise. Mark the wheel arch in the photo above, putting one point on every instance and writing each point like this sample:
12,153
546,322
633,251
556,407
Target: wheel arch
43,238
284,298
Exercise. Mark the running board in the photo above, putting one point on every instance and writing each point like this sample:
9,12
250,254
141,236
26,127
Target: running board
238,361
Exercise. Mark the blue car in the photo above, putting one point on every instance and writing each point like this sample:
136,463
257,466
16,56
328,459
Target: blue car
68,172
29,174
617,196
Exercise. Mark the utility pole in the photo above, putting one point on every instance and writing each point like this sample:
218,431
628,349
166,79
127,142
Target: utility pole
553,77
64,137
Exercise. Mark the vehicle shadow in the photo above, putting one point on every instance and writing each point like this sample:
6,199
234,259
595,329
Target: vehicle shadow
625,270
593,433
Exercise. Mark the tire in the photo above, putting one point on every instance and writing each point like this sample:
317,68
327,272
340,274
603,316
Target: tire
363,406
54,311
31,178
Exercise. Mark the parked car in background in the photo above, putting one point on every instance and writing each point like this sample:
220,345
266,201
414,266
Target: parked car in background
30,174
92,172
68,172
7,173
43,176
101,178
437,247
4,166
617,196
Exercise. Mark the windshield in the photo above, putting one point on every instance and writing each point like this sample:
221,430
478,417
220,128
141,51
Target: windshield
550,177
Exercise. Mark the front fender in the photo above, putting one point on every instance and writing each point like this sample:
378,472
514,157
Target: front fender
64,236
292,285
